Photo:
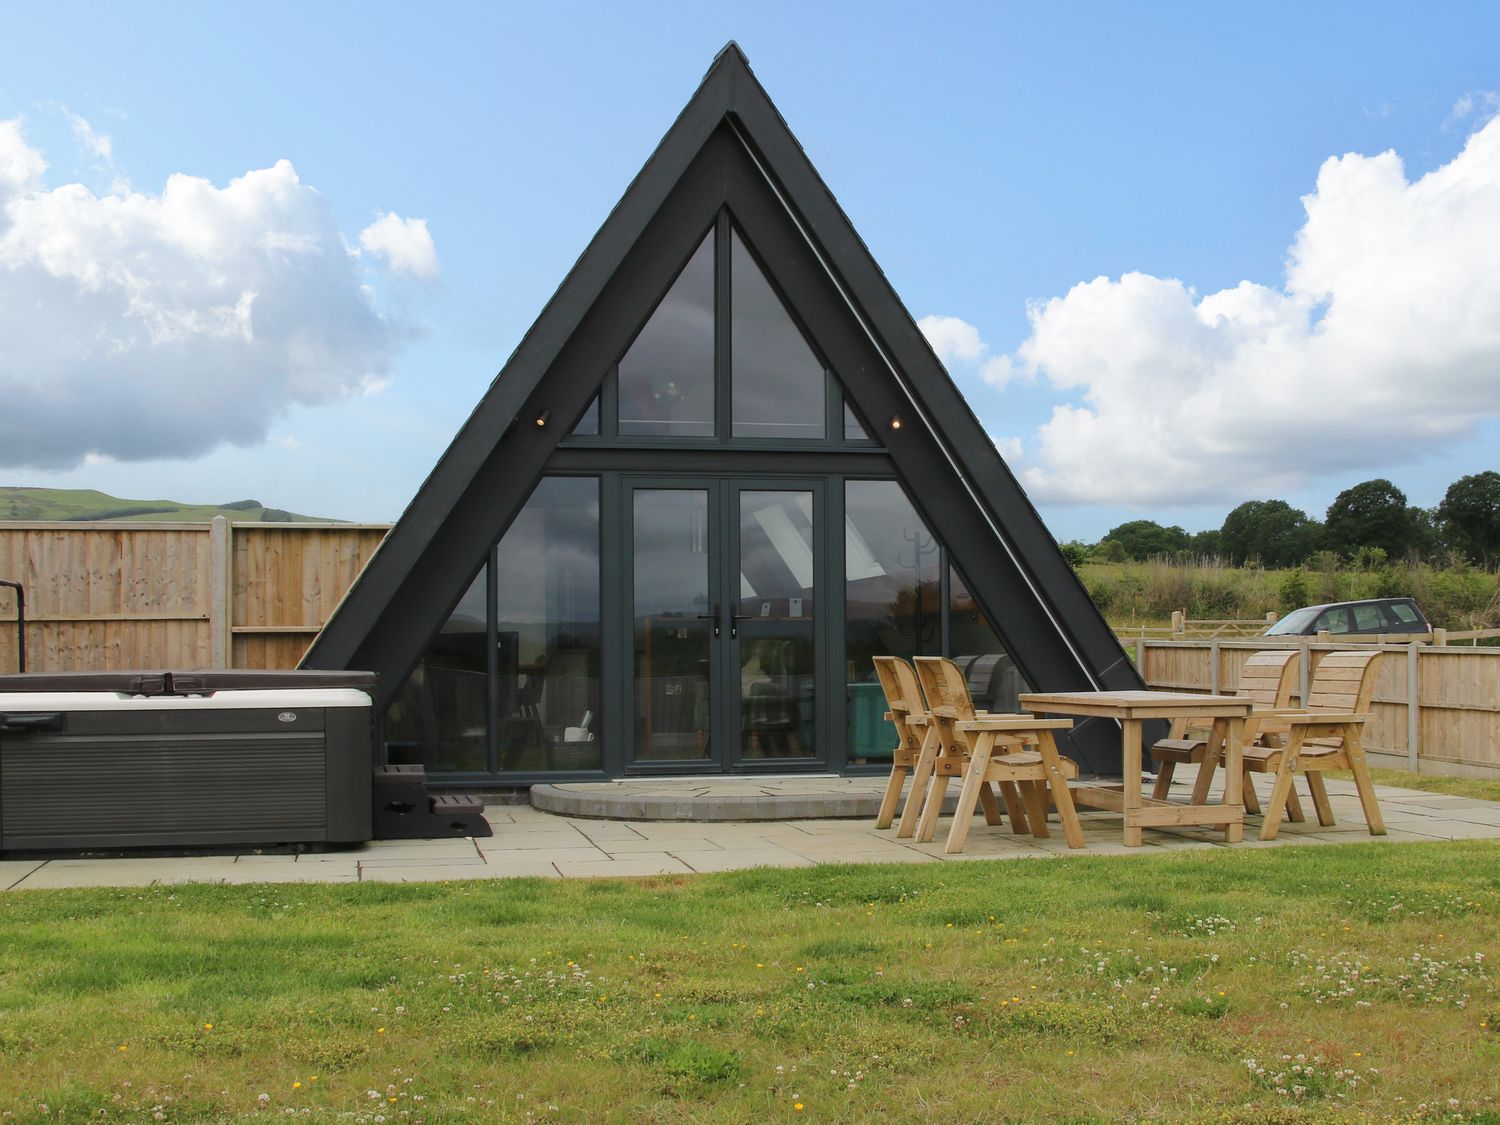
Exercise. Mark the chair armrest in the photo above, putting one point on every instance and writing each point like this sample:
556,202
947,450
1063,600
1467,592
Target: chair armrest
1014,723
913,718
1318,719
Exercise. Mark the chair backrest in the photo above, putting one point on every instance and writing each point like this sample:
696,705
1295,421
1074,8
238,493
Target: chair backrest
1343,683
945,687
1269,678
903,695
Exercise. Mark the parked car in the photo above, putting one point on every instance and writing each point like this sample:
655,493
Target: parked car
1377,615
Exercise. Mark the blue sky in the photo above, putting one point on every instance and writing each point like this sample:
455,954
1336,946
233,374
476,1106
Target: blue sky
994,157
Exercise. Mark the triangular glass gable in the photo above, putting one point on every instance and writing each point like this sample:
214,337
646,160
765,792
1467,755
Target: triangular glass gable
733,376
667,376
853,431
588,425
777,380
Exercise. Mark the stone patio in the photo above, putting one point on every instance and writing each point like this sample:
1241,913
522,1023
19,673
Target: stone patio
531,842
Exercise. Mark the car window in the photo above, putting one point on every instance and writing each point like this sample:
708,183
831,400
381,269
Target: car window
1367,619
1292,624
1403,613
1334,620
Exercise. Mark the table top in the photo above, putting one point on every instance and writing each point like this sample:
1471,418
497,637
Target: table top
1136,704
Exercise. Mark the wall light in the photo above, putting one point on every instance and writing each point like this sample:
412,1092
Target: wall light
895,421
542,418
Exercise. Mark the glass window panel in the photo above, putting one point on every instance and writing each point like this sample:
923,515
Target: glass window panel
588,425
667,377
777,704
777,380
547,608
892,600
439,719
853,431
670,591
995,683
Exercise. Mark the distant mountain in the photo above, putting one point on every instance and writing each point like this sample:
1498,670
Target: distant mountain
81,504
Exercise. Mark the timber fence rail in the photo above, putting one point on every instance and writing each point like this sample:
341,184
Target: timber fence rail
1436,708
118,595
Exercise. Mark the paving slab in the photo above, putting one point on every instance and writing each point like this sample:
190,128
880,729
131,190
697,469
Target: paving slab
684,843
108,873
428,849
259,859
473,860
13,871
532,840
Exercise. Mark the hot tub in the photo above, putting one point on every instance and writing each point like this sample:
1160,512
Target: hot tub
184,760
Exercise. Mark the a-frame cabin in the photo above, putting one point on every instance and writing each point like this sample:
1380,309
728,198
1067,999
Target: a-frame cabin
721,472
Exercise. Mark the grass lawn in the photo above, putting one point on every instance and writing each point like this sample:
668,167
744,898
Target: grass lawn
1176,987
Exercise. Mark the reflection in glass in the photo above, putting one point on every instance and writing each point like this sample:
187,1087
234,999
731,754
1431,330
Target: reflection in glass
994,680
776,635
853,431
547,610
669,591
892,599
438,719
777,380
667,377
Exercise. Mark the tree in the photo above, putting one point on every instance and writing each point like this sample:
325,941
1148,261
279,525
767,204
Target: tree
1143,538
1075,552
1371,514
1206,544
1470,517
1271,530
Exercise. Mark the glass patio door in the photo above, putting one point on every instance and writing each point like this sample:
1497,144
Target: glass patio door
721,596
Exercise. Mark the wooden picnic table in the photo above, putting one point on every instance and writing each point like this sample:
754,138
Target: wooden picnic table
1132,708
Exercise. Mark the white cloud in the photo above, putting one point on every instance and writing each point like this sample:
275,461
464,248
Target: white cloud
21,166
1011,448
139,326
96,143
1481,103
953,339
957,342
405,244
1382,344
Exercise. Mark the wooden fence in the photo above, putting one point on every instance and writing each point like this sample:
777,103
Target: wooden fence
1436,707
119,595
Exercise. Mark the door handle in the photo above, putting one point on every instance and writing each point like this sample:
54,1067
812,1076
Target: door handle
734,624
714,617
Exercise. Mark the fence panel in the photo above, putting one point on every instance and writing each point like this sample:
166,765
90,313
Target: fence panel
1456,721
120,595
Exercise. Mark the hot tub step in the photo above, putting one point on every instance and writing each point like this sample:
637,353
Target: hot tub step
405,810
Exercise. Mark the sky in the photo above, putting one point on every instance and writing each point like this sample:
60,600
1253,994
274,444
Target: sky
1176,256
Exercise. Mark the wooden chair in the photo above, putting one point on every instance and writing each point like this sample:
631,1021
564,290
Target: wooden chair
1327,734
907,712
1269,679
1014,753
1019,751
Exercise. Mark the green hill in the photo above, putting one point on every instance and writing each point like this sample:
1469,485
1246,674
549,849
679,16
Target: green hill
81,504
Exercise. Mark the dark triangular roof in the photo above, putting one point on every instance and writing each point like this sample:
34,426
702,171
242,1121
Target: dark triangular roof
980,510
